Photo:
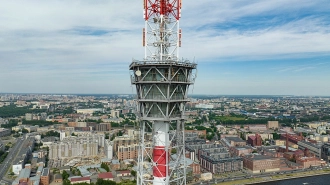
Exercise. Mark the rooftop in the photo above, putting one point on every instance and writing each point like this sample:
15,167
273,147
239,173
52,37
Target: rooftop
75,179
45,172
261,157
105,175
115,161
235,139
25,173
58,176
318,146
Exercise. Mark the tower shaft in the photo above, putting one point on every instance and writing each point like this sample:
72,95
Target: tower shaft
162,82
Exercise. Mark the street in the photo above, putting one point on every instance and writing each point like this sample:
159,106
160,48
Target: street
12,152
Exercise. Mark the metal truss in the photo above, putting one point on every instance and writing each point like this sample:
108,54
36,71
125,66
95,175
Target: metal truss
162,39
161,97
162,81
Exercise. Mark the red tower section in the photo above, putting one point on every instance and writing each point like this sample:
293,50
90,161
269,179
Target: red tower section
162,7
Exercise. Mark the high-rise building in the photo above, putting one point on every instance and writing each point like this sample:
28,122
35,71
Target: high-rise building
108,149
83,145
62,135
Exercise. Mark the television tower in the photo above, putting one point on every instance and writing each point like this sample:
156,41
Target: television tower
162,81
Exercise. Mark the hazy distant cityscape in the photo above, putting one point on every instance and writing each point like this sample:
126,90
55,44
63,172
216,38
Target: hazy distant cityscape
93,137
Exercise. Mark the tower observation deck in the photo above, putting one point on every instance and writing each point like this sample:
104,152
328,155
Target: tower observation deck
162,81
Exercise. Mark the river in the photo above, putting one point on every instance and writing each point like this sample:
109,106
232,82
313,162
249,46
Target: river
313,180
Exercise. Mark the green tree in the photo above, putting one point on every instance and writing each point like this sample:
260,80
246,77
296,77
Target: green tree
105,182
276,136
112,137
105,166
209,136
119,133
12,123
133,173
65,175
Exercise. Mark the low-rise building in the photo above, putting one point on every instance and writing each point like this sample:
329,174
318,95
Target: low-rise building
75,180
307,162
58,178
106,176
241,150
234,141
4,132
272,124
123,173
115,164
261,163
217,165
313,148
24,175
45,177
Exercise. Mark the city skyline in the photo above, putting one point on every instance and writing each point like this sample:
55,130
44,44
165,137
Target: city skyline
260,47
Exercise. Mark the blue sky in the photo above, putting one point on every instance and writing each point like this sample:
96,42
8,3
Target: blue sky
267,47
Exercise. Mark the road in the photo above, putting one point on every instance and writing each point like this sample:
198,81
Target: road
218,180
7,163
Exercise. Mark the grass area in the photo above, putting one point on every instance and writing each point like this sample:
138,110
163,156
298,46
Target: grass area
227,118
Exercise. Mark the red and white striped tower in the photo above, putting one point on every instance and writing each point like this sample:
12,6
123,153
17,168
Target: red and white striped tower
162,82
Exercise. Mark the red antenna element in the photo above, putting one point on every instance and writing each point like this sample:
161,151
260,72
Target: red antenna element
162,7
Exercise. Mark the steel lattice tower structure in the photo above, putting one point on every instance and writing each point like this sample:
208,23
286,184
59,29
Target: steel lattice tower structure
162,82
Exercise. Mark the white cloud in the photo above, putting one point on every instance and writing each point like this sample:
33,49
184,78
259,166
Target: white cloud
51,41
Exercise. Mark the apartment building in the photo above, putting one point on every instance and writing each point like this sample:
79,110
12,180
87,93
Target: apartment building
108,149
83,145
217,165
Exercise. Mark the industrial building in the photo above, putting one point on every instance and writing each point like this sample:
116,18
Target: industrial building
314,149
292,138
261,163
216,159
4,132
325,152
255,140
